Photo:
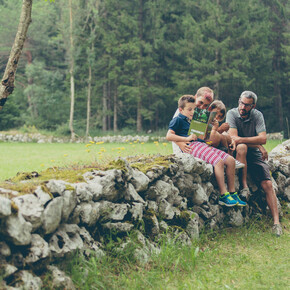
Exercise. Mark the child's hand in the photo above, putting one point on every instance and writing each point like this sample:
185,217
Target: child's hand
191,137
215,125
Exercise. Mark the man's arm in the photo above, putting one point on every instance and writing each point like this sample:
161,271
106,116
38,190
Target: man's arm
250,141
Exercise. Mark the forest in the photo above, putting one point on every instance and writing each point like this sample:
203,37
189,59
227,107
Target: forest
102,66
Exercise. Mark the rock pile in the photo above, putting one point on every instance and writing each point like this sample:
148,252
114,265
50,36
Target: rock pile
174,195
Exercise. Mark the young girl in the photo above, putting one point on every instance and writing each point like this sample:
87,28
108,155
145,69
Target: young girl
178,132
219,136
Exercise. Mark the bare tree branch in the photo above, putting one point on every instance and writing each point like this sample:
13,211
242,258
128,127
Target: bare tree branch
7,83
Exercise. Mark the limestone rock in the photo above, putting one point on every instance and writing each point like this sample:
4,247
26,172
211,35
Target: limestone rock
38,250
137,211
236,218
5,207
17,230
31,209
139,180
52,215
132,195
59,280
118,227
66,240
25,280
198,195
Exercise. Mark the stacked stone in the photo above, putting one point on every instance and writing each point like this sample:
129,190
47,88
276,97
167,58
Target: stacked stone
175,200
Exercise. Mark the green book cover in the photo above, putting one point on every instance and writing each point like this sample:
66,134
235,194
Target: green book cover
201,123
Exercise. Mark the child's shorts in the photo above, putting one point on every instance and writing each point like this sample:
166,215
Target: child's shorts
207,153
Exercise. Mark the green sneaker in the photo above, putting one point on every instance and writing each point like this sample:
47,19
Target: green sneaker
236,197
227,200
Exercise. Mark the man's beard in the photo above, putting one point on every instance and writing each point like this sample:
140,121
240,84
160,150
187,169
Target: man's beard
245,113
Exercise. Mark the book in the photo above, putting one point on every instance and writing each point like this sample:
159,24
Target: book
200,124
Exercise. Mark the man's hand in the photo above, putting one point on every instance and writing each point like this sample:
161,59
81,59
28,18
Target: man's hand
264,152
232,145
237,139
183,146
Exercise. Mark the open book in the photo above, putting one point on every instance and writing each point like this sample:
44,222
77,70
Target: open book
201,123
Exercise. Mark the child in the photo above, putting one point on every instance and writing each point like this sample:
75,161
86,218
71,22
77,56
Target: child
219,137
203,97
178,132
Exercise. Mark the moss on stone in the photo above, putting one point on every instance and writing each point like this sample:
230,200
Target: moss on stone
117,164
146,164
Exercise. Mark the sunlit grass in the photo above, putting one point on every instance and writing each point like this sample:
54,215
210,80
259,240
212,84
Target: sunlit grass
27,157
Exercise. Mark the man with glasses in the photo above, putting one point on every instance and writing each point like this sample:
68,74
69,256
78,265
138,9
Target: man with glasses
247,128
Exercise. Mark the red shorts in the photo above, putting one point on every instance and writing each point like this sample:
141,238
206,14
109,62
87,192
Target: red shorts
207,153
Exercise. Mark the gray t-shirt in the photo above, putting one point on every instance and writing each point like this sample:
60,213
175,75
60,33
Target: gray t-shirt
249,127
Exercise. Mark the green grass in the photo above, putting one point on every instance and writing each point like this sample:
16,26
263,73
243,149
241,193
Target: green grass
249,257
27,157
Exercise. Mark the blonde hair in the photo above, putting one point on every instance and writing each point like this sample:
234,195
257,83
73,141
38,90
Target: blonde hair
205,92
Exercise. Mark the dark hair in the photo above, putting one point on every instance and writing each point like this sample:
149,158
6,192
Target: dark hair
184,100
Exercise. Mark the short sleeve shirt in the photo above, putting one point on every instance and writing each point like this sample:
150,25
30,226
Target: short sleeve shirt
249,127
180,125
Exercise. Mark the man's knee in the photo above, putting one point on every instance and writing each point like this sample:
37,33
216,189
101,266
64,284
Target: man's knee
267,186
242,149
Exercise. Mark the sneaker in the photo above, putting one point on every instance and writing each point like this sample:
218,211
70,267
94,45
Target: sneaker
239,164
236,197
227,200
277,230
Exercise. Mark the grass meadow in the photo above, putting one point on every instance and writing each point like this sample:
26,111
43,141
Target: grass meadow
27,157
249,257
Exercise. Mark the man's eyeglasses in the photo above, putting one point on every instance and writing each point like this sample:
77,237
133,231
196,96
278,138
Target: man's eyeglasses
246,105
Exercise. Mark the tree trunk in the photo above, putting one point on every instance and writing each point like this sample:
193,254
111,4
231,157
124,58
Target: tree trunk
89,102
115,122
71,71
105,107
139,105
7,83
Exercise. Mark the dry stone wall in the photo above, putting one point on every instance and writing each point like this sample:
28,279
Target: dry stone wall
176,197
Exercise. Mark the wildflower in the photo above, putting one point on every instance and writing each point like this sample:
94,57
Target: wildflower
135,141
42,165
52,160
122,148
164,144
92,142
99,143
65,155
142,143
130,143
88,150
88,145
127,140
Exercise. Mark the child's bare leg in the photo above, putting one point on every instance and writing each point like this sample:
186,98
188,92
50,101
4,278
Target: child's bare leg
215,138
219,176
230,173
